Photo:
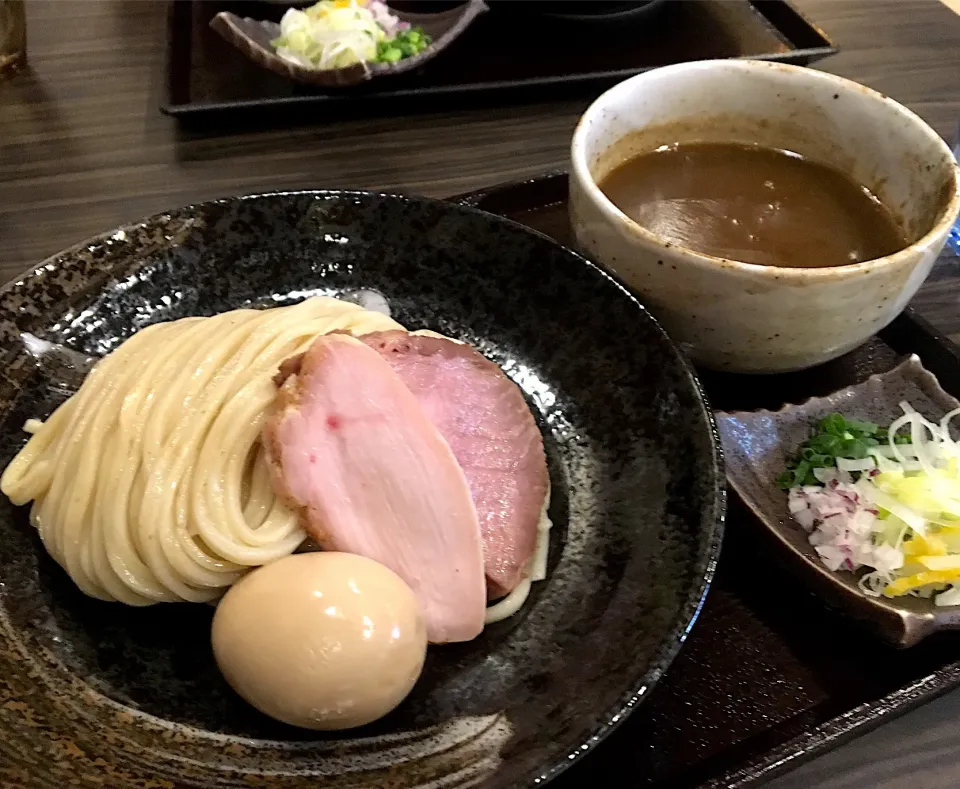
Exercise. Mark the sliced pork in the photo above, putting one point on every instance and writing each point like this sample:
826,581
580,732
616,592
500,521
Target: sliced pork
483,417
353,448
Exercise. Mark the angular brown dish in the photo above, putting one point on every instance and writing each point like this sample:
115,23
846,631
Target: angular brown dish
253,37
757,444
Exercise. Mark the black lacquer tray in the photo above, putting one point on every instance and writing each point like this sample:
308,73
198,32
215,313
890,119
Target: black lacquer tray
503,56
769,677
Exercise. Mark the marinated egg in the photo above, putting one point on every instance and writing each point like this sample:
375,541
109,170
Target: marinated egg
321,640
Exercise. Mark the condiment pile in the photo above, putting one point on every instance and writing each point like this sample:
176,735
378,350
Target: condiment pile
884,499
336,34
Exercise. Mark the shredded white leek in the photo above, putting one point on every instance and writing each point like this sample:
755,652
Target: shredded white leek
845,464
329,35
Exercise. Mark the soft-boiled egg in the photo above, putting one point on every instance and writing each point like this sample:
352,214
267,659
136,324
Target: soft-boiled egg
321,640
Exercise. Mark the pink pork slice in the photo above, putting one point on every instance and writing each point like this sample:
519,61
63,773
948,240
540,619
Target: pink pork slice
352,448
483,417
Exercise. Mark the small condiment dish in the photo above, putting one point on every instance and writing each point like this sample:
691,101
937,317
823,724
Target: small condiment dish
756,446
743,317
252,37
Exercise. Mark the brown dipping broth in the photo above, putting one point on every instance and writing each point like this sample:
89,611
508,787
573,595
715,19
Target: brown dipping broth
753,204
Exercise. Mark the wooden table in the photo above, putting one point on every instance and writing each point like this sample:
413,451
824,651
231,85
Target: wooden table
84,148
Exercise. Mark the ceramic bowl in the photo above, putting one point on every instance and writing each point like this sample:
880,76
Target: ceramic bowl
96,694
757,444
742,317
252,37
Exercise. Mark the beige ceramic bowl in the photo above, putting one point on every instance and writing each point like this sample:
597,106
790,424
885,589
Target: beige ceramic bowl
739,316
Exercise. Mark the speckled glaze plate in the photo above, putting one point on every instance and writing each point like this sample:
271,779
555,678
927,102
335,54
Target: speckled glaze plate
757,445
95,694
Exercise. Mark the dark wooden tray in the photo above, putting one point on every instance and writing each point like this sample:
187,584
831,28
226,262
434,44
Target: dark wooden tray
768,677
499,57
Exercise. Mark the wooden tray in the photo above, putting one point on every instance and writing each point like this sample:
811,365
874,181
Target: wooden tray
769,677
500,57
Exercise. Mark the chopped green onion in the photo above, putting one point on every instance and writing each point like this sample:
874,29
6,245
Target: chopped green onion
835,437
404,44
390,55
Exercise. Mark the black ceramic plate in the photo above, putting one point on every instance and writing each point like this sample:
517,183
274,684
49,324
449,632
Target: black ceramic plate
97,694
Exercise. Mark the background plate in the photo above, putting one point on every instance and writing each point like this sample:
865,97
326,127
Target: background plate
506,54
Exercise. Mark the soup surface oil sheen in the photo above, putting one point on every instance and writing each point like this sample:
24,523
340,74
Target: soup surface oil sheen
753,204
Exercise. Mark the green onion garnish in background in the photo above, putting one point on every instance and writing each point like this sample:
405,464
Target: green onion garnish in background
405,44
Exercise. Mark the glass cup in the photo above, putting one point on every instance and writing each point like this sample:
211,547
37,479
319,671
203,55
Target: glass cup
13,36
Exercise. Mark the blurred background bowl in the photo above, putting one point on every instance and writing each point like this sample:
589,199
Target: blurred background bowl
594,11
